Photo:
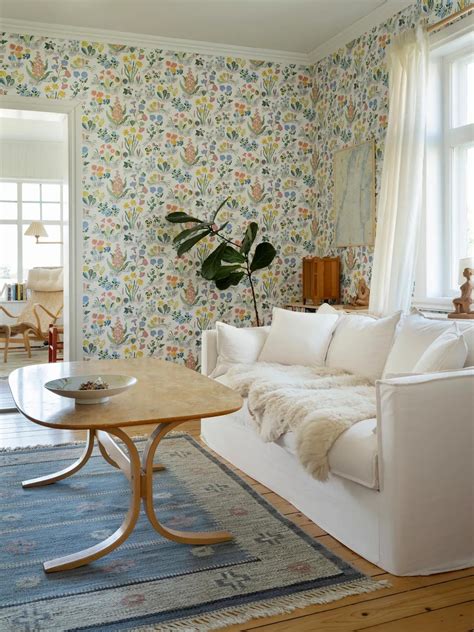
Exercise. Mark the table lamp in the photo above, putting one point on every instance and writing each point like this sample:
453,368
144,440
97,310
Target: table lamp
37,229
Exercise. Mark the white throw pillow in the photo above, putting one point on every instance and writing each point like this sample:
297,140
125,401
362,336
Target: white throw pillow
416,333
446,353
298,338
361,344
237,345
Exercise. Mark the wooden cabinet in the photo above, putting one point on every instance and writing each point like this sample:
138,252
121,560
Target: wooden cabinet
321,279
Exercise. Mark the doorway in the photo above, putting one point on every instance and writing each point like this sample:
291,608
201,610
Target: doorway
40,236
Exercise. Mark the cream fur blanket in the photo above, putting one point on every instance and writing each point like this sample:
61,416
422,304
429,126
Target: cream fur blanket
317,404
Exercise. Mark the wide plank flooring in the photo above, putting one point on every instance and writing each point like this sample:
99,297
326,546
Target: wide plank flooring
436,603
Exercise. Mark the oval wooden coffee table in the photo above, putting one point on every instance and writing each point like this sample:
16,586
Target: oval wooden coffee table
165,396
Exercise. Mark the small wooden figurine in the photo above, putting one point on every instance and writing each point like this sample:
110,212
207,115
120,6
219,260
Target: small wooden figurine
363,294
462,304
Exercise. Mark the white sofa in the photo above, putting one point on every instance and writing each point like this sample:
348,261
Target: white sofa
401,487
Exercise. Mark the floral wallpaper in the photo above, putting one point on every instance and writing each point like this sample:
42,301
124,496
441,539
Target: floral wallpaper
165,132
351,95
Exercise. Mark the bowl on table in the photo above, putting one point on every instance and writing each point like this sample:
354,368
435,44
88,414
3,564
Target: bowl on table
96,389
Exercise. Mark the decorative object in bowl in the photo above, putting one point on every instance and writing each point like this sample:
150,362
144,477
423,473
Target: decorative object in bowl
91,389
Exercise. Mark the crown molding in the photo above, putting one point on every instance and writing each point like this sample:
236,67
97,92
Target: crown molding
150,41
376,17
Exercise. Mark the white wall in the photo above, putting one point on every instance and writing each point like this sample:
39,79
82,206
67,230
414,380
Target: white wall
33,159
33,145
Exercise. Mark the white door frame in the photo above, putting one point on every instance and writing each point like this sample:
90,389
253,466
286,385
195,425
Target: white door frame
73,218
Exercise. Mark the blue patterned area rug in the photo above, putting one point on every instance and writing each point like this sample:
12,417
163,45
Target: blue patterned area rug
150,583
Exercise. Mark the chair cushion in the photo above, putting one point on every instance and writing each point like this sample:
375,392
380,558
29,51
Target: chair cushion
46,279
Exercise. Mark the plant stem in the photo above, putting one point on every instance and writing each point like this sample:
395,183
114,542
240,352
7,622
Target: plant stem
229,241
249,274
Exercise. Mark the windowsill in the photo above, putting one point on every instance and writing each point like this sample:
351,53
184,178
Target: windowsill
440,305
4,301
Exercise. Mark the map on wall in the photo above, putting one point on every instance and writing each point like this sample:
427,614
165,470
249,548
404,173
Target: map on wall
354,195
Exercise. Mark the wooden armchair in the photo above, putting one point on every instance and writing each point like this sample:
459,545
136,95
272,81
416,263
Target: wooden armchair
42,308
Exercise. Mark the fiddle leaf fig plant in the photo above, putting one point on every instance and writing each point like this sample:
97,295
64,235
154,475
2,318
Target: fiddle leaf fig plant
230,261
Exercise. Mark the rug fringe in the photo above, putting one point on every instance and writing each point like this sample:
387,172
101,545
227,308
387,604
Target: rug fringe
42,445
268,608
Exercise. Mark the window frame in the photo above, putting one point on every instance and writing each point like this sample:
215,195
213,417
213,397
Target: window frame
435,268
455,138
20,222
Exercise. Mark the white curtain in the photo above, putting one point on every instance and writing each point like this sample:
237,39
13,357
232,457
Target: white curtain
400,199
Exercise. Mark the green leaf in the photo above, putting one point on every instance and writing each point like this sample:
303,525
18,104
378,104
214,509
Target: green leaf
225,271
219,208
231,255
212,263
233,279
249,238
180,217
264,255
221,228
189,231
189,243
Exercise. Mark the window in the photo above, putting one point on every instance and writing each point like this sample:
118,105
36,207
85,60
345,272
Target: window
20,203
459,149
448,223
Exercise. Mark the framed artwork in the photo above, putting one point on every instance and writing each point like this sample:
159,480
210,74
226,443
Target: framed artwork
354,195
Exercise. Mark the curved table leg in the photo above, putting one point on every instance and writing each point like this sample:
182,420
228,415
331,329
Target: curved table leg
67,471
112,542
106,455
185,537
103,450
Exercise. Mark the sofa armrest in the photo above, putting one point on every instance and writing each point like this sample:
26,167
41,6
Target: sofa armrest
208,351
425,427
426,415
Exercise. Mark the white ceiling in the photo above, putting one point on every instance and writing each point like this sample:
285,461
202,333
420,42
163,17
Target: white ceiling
298,26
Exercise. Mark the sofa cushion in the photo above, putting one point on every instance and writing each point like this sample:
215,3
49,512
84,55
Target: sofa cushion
298,338
415,334
361,344
446,353
353,456
237,345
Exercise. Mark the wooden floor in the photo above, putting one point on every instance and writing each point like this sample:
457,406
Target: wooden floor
437,603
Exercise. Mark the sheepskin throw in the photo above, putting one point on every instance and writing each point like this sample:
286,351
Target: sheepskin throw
316,403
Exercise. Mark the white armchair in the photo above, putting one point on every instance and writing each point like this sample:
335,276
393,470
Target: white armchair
42,309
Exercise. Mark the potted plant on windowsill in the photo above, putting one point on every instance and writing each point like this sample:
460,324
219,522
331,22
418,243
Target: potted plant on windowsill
230,261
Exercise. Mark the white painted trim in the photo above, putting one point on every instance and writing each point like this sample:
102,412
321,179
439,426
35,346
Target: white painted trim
73,221
375,18
151,41
452,33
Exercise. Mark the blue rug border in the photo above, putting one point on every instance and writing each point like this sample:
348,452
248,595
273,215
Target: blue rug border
347,571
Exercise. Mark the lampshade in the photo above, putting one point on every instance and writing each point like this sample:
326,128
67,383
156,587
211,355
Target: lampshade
36,229
467,262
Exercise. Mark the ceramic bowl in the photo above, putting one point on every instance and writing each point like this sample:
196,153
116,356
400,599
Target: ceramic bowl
70,387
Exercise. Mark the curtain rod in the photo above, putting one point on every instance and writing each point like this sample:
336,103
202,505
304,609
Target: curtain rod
449,19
